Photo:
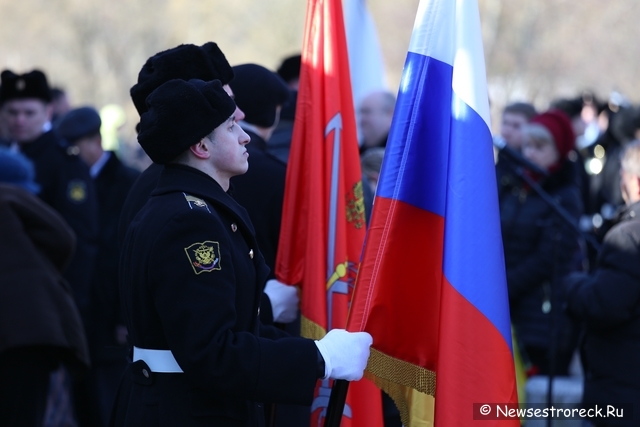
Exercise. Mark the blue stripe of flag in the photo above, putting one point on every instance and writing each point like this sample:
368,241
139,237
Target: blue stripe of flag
454,180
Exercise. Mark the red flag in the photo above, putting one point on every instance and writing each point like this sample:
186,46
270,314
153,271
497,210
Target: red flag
323,224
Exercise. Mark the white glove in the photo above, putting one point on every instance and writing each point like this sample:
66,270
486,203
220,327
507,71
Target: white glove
284,301
345,354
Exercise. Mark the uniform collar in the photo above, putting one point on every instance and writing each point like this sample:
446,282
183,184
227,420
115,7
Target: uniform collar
35,147
185,179
97,167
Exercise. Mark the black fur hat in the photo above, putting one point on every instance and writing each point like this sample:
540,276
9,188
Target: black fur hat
290,68
186,61
179,114
258,92
221,66
29,85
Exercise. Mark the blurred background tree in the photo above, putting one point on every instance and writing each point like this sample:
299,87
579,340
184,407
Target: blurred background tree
535,50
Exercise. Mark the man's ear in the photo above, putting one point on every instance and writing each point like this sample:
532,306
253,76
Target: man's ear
201,149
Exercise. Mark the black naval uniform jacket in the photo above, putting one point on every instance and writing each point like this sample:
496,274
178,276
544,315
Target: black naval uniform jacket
191,279
112,185
66,186
140,192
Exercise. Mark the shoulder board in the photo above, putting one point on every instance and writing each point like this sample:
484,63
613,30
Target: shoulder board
195,202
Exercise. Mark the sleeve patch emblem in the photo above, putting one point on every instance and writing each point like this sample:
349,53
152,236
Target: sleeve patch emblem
204,257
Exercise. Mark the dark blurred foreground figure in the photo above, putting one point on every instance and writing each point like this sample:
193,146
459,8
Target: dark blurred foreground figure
191,278
65,184
40,326
607,302
539,247
106,332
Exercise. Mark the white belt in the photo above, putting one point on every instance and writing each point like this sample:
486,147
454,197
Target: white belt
158,360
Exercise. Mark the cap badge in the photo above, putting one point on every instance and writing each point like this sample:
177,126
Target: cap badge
77,191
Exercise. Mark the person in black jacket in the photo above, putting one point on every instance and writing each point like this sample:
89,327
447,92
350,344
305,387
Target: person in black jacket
260,93
279,144
539,247
191,277
607,303
106,332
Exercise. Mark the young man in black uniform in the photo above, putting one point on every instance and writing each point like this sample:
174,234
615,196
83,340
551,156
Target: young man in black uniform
206,62
191,278
186,61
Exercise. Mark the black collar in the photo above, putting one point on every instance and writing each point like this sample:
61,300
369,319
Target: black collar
185,179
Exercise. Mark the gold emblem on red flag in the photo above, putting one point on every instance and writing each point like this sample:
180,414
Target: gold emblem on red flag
355,206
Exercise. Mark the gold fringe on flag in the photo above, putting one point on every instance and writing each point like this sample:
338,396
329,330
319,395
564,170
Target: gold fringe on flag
397,377
309,329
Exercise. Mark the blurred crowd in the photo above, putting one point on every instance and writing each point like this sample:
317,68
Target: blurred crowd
568,184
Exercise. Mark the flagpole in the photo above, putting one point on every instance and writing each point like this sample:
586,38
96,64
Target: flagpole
337,401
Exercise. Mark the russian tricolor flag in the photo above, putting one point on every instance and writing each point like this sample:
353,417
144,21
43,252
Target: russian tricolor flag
431,288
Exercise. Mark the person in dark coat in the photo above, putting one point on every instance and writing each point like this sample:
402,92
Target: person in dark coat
607,303
539,247
279,144
40,325
260,93
375,115
63,177
191,278
515,117
80,127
